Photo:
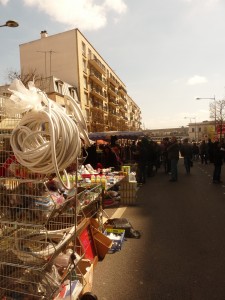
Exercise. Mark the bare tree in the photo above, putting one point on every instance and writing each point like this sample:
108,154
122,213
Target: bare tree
217,112
24,77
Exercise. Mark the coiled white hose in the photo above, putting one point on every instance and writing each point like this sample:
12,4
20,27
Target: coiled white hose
74,109
49,140
36,256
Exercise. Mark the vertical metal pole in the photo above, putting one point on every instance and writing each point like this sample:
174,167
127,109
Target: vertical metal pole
45,66
215,115
195,129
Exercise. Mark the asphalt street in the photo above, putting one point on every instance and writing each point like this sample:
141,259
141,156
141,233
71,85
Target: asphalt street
181,252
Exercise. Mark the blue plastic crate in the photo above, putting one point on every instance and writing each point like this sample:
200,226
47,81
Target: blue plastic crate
117,242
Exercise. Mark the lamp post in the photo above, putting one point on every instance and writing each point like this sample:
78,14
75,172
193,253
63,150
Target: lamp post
212,98
190,122
10,23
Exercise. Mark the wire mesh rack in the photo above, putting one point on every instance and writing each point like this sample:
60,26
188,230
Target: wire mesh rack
18,283
38,221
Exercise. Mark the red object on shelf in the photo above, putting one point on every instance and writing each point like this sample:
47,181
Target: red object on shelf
87,243
86,175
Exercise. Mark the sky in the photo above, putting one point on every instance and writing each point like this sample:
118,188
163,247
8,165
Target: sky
167,52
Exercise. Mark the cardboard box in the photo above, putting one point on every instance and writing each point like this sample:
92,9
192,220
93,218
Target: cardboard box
117,242
102,243
84,270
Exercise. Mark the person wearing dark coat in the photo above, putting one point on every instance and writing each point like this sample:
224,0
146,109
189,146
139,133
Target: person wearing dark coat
210,150
142,161
218,157
173,155
186,151
109,159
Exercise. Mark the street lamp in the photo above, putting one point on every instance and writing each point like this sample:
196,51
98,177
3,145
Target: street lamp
10,23
212,98
190,122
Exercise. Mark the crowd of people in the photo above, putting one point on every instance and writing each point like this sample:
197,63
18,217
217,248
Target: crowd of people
149,156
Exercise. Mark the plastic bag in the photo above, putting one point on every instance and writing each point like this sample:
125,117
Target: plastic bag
123,223
23,99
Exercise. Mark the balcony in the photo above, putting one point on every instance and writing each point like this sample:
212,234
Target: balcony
122,100
97,79
113,101
122,90
113,113
112,91
98,65
98,94
113,80
123,108
96,106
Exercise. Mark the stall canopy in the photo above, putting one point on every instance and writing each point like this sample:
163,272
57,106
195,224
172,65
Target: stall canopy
119,134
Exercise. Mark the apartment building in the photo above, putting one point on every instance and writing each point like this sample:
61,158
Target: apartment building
69,56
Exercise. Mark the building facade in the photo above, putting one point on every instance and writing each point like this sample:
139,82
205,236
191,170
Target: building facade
199,131
158,134
69,56
195,132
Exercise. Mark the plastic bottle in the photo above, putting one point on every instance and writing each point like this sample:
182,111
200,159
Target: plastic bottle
92,178
98,179
104,181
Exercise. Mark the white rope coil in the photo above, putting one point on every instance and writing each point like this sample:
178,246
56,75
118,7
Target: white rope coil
48,137
41,239
46,141
73,108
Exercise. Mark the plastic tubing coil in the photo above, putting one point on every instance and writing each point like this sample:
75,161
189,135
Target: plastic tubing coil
46,141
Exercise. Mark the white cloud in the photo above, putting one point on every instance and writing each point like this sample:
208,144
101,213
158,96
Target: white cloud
4,2
84,14
177,81
196,79
117,5
208,3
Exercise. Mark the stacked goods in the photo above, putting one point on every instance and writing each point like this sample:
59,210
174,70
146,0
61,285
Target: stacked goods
128,193
125,170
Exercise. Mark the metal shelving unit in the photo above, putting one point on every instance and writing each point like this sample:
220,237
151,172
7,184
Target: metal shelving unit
38,224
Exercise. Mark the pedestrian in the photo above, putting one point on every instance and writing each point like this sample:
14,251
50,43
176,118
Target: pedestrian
186,151
165,160
195,151
142,161
173,155
109,159
210,148
218,157
203,152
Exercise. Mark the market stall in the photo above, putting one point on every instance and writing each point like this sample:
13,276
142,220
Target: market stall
48,244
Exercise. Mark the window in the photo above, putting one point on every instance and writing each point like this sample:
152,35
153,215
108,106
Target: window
89,53
85,98
87,114
192,130
72,92
59,86
199,129
83,49
84,66
85,82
